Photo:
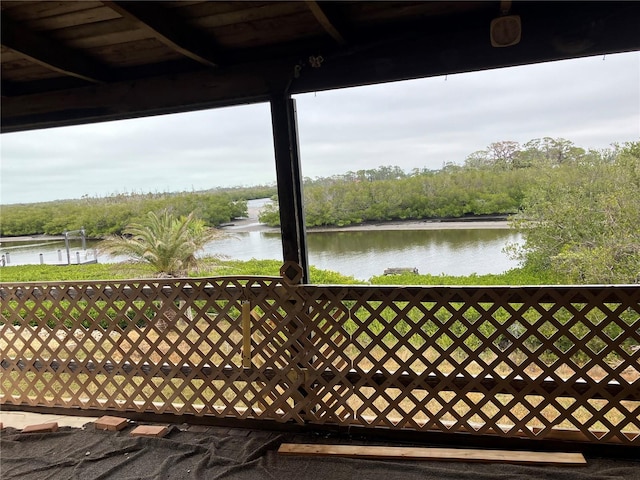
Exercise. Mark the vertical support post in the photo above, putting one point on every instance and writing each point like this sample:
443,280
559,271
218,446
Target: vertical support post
66,244
41,259
289,179
84,238
246,334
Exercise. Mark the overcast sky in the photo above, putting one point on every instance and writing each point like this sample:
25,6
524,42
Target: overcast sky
414,124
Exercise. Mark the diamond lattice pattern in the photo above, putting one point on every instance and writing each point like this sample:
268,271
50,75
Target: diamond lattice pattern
538,362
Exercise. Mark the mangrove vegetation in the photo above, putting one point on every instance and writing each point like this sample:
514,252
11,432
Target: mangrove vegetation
578,210
102,216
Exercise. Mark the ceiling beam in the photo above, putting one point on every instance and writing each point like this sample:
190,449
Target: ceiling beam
324,19
7,88
439,47
51,54
209,88
165,27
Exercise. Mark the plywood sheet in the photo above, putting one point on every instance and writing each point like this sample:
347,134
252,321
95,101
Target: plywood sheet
442,454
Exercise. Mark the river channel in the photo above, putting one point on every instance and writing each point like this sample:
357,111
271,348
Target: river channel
435,248
361,254
369,253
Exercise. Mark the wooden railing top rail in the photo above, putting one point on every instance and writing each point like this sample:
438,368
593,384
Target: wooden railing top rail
184,287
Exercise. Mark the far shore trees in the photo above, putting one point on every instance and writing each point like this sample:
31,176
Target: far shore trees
101,216
493,181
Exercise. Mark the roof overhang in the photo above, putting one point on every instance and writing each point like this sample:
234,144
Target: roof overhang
83,71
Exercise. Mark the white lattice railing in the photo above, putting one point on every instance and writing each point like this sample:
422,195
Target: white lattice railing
538,362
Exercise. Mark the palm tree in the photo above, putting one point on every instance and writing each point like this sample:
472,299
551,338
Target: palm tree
168,243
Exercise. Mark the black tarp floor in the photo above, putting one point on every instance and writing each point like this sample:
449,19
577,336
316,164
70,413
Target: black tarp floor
198,452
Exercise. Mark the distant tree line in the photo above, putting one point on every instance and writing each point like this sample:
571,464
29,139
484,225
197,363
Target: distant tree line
578,210
442,194
102,216
494,181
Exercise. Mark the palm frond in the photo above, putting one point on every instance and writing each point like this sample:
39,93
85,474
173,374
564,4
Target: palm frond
168,243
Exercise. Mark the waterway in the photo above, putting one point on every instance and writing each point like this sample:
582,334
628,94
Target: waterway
361,254
460,248
368,253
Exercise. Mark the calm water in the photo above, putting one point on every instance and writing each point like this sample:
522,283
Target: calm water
365,254
361,254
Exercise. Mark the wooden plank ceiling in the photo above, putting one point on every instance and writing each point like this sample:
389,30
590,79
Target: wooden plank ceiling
71,62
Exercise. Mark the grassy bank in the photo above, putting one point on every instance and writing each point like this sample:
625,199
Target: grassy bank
210,267
215,267
515,276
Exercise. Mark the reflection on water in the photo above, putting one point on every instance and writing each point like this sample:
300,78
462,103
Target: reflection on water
454,252
360,254
365,254
384,241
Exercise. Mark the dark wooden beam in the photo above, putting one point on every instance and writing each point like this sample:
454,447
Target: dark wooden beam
289,181
171,31
462,44
427,49
327,22
13,89
7,88
51,54
131,73
141,97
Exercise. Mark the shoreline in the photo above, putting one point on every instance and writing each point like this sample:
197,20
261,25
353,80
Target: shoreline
419,225
247,225
251,225
32,238
496,222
